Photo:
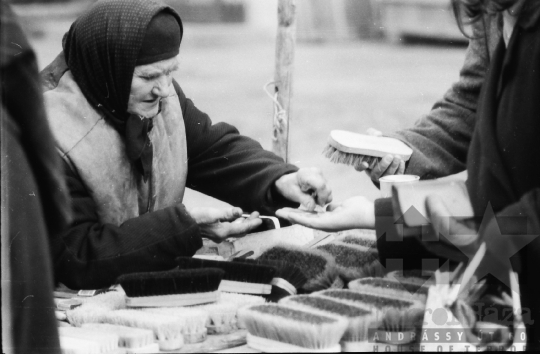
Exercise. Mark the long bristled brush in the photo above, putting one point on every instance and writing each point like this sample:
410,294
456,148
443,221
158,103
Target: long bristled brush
360,320
177,287
276,328
361,151
287,280
238,277
353,262
319,267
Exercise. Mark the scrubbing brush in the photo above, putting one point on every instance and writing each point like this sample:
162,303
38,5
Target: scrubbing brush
358,149
171,288
238,277
194,320
167,329
360,320
317,266
222,317
353,262
287,280
276,328
133,340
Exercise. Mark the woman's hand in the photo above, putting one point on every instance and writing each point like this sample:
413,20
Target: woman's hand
307,186
353,213
388,165
220,224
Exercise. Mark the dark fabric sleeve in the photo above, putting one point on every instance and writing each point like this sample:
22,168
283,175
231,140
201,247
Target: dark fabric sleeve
92,255
229,166
440,140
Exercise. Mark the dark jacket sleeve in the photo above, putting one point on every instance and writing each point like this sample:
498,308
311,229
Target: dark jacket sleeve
228,166
92,255
440,140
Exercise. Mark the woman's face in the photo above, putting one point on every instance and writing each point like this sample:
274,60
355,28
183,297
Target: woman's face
150,84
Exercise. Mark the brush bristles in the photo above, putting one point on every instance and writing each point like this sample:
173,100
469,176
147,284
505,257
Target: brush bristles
194,320
394,314
234,271
287,325
284,270
369,300
346,158
370,243
167,329
108,342
177,281
354,262
318,267
390,288
222,317
128,337
241,301
360,320
87,313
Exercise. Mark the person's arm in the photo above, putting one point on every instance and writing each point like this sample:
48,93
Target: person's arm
440,140
92,255
229,166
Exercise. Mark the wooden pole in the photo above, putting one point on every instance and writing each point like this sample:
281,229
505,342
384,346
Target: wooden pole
285,42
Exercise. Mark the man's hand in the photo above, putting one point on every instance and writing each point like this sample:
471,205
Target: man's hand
307,186
353,213
220,224
388,165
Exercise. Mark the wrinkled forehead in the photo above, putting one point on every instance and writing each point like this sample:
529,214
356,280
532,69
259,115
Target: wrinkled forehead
159,67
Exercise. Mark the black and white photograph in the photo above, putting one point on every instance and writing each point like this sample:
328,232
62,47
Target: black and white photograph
269,176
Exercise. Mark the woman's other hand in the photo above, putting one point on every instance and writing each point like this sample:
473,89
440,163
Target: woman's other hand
353,213
220,224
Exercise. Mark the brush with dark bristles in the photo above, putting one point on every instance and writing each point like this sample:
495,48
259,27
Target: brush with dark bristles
238,277
317,266
287,280
353,262
177,287
361,151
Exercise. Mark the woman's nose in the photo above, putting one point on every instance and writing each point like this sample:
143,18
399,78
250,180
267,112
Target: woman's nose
161,87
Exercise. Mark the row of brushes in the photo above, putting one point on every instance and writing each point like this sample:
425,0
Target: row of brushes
301,323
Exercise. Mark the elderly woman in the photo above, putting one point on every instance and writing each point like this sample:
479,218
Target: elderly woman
131,141
487,123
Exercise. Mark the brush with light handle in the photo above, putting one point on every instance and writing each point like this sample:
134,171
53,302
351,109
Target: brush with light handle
373,152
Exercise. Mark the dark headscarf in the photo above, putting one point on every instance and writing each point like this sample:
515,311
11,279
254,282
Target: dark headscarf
101,50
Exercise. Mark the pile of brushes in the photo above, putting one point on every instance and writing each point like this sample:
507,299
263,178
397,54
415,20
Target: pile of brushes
165,310
333,320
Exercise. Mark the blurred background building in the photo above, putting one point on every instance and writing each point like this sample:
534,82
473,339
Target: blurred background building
358,64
